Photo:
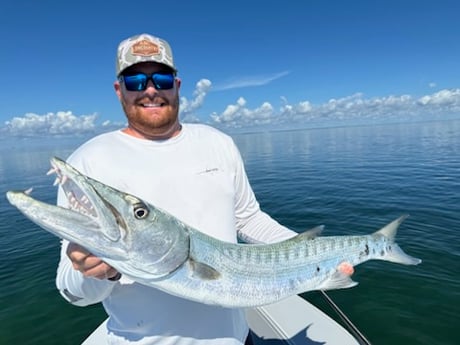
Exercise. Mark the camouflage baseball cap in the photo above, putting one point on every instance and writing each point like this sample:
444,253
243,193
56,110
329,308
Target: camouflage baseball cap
143,48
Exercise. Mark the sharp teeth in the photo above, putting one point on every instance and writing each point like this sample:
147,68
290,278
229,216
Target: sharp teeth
52,171
60,180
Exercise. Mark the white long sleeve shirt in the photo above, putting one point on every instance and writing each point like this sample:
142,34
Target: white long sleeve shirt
199,177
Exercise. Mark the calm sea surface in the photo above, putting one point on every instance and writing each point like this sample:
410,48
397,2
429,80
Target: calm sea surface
352,180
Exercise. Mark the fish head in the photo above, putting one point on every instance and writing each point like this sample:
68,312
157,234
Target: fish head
113,225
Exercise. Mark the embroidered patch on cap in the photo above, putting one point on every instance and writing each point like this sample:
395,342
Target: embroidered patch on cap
145,48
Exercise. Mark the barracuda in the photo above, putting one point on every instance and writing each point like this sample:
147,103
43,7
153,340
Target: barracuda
154,248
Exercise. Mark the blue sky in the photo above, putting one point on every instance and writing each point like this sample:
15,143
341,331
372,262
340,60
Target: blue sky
243,64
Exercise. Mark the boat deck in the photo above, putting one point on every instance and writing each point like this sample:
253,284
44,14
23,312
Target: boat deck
291,321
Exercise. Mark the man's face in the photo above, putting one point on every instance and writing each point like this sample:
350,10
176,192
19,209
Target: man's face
151,113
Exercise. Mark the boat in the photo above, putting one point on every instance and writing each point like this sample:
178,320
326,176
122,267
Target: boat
292,321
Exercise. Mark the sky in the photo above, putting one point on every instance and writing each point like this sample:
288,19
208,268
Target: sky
244,65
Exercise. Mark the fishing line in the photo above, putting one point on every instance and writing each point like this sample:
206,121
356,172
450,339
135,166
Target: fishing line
353,329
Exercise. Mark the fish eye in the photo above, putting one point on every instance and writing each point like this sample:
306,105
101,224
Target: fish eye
140,211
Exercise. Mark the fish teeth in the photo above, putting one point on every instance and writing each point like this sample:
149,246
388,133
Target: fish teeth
60,180
81,205
52,171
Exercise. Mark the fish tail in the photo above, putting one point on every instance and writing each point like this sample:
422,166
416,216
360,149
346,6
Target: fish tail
393,252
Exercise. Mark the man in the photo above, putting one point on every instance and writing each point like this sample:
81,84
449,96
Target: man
191,171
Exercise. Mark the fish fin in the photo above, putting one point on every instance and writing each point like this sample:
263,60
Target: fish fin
395,254
390,229
202,271
312,233
339,280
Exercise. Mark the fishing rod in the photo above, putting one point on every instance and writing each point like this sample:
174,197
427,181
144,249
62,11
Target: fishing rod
353,329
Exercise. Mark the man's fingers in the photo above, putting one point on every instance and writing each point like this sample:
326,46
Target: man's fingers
100,271
77,253
88,264
109,273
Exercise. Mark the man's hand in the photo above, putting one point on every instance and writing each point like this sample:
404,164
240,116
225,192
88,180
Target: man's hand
88,264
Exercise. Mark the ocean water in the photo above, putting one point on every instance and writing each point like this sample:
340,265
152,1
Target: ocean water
353,180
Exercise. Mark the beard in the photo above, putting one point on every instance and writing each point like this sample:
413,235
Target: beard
152,121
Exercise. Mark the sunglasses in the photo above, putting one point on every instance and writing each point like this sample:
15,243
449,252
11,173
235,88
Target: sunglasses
138,81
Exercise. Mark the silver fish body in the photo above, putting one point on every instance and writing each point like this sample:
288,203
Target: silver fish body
154,248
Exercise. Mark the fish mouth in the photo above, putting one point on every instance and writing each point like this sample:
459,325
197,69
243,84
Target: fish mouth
83,198
77,198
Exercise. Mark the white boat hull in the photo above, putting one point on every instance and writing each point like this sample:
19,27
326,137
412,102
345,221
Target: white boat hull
294,321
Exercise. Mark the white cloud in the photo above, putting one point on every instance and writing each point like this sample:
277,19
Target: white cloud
62,122
447,98
188,108
249,81
354,108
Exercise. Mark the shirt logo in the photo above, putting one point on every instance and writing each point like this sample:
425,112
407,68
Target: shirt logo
208,170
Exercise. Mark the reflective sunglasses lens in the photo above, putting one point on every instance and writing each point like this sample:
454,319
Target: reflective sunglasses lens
135,82
163,81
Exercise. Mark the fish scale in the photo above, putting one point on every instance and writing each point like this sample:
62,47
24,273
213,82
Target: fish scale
150,246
